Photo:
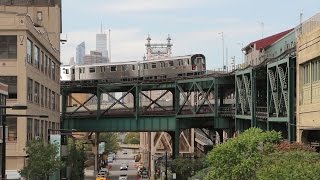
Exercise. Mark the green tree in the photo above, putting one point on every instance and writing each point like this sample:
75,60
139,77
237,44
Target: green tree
290,161
111,140
76,159
239,157
42,161
186,167
132,138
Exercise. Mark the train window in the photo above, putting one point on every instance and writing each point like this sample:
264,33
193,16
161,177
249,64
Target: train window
133,67
170,63
65,71
80,70
188,61
113,68
123,68
145,66
72,71
180,62
153,65
203,61
92,70
161,64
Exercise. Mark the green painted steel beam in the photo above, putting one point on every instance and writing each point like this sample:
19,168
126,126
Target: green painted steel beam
122,124
248,117
278,119
195,115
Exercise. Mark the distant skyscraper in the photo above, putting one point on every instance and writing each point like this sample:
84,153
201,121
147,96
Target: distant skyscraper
101,45
71,61
80,52
94,57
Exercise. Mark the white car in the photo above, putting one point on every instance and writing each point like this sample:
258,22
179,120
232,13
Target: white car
104,170
123,177
123,167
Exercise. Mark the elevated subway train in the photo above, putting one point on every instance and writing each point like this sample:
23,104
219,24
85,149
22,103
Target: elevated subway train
190,65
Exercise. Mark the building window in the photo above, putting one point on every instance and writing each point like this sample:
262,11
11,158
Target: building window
36,57
42,95
46,130
46,97
12,128
36,92
8,47
49,99
53,70
11,81
29,51
37,128
46,65
49,67
41,129
29,129
30,90
42,62
53,100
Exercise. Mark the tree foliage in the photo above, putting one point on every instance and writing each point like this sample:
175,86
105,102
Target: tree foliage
132,138
76,159
111,140
295,164
42,161
239,157
186,167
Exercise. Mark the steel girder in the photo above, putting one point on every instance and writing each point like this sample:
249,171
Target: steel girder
196,98
245,89
281,94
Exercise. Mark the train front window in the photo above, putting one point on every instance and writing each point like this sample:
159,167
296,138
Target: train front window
170,63
113,68
133,67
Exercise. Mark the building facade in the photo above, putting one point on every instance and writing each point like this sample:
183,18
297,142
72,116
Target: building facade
308,81
80,53
94,57
101,46
30,65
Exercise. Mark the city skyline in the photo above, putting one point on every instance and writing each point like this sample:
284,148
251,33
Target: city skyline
194,26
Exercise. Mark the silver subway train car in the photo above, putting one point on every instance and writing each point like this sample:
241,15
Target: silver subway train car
190,65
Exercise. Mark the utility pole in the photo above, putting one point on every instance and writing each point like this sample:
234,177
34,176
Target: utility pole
222,51
109,45
166,178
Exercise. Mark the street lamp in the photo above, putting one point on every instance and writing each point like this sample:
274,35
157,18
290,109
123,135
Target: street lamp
4,123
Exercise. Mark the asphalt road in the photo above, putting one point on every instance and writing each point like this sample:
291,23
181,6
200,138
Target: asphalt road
121,158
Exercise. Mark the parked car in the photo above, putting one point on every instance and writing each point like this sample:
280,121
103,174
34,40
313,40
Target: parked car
123,177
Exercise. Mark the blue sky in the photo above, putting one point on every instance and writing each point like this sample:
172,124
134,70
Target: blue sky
194,25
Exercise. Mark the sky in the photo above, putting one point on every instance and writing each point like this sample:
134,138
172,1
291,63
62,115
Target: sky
194,26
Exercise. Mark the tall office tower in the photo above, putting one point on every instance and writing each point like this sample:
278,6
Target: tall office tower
80,53
101,45
30,65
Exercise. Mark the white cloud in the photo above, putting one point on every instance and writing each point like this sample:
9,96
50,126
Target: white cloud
148,5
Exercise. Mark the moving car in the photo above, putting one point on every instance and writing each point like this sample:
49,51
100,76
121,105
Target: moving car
104,171
123,167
